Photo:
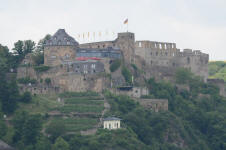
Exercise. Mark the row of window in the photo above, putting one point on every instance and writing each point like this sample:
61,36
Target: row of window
161,54
156,45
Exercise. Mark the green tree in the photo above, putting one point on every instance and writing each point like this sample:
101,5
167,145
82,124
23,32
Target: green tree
42,42
127,75
56,129
115,65
60,144
43,143
28,127
26,97
183,75
18,47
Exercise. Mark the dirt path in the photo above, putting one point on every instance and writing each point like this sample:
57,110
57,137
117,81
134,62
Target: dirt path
94,130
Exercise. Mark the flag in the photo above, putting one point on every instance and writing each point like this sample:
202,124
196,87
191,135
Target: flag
126,21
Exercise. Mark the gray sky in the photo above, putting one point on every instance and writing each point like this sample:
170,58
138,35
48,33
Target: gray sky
195,24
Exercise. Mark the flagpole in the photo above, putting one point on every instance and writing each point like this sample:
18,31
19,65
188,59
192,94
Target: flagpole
128,25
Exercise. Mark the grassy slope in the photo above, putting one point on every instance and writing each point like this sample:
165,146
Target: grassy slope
217,69
64,111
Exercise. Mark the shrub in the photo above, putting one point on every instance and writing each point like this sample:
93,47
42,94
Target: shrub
41,68
27,80
56,129
26,97
115,65
183,75
48,81
127,75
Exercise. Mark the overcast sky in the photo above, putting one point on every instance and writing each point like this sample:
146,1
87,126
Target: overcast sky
195,24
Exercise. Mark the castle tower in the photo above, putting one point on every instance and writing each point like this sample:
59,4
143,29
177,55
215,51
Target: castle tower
60,48
126,42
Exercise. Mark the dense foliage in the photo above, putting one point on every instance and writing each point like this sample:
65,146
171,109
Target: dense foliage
127,75
41,68
115,65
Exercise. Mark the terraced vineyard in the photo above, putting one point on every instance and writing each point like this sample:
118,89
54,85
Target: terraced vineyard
79,111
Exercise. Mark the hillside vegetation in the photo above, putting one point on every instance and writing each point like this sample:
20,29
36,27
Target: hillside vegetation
196,119
217,69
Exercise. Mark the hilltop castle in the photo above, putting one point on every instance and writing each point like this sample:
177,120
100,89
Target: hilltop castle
81,67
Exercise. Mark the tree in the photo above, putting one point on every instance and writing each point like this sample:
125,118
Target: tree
56,129
29,46
43,144
28,127
41,43
115,65
127,75
60,144
18,47
26,97
183,75
48,81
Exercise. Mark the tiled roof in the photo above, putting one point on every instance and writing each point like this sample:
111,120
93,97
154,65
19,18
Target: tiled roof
61,38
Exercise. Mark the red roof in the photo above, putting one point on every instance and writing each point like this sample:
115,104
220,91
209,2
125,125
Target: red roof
87,58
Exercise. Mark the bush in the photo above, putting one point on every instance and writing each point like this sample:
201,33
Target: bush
56,129
115,65
38,58
41,68
26,97
127,75
27,80
183,75
48,81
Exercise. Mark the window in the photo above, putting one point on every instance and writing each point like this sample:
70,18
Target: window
166,53
93,66
151,53
68,43
53,57
160,46
156,53
140,44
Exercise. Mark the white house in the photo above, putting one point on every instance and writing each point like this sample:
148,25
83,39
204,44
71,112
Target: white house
111,123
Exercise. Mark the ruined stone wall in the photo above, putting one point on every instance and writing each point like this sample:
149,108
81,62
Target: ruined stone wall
61,80
220,84
154,104
54,55
135,92
167,55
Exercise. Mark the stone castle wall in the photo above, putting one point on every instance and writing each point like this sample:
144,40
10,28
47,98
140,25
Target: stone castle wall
167,55
154,104
54,55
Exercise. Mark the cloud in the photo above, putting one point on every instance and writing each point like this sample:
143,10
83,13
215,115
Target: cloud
189,23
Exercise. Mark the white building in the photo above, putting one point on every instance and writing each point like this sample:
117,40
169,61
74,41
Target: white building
111,123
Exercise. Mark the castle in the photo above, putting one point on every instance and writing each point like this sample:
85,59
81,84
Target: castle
82,67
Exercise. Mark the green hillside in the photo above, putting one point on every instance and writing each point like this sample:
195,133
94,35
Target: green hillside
217,69
196,119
